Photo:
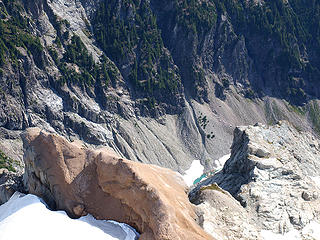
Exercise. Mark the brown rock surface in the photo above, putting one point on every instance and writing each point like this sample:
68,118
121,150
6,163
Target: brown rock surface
79,180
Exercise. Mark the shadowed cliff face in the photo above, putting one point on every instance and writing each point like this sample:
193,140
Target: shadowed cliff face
265,48
158,81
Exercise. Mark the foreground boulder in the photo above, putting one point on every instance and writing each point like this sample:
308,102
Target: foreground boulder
274,172
78,180
222,216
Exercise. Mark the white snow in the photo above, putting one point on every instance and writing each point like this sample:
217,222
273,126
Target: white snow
316,180
292,235
195,171
27,217
310,231
221,161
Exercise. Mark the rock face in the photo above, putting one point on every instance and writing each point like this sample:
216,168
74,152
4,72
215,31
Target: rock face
218,67
274,172
222,216
9,184
78,180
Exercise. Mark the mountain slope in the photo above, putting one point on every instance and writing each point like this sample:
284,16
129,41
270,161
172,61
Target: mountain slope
158,81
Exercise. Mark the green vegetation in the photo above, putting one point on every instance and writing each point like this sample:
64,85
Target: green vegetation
203,121
274,113
77,53
214,187
6,162
78,67
249,93
278,20
196,16
135,38
210,135
297,109
286,31
314,114
14,33
293,28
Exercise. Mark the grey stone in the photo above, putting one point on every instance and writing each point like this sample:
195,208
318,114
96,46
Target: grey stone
10,183
280,192
175,139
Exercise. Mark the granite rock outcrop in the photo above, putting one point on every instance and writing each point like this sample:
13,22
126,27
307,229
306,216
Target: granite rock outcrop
274,173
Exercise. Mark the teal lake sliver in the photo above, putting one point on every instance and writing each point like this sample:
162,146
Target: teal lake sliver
206,175
200,178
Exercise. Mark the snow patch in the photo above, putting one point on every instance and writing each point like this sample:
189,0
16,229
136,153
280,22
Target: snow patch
316,180
310,231
292,235
193,172
27,217
221,161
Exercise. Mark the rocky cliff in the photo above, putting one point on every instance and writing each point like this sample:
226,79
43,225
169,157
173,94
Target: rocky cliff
267,189
273,172
83,181
160,82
